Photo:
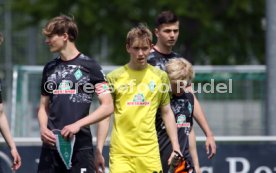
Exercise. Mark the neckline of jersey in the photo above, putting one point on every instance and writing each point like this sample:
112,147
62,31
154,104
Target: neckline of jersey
165,54
70,59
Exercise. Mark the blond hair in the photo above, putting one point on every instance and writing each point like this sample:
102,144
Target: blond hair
141,31
180,69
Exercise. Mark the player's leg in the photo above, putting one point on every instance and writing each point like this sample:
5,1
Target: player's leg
148,164
121,164
50,162
83,161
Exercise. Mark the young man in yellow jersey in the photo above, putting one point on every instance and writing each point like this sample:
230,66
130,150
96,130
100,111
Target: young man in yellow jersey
138,89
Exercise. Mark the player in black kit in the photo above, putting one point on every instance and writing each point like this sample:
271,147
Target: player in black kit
167,32
68,84
180,73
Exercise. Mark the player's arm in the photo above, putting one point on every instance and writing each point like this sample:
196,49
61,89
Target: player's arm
104,110
102,132
169,121
200,118
193,150
5,131
47,136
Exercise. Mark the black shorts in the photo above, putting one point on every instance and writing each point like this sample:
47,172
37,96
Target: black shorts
82,162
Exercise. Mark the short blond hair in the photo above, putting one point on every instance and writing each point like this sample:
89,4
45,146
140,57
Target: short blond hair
141,31
180,69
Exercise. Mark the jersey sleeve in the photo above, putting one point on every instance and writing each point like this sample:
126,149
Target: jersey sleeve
111,85
99,80
152,59
45,86
165,94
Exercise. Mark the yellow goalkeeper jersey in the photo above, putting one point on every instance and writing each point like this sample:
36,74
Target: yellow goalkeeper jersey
137,96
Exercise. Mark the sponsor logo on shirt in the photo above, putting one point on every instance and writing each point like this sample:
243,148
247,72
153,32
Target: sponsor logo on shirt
181,121
138,100
64,88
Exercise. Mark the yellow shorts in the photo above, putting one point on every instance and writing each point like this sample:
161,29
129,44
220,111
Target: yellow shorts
134,164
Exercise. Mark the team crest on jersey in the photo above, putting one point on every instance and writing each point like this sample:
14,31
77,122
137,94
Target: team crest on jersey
64,88
181,121
78,74
151,86
138,100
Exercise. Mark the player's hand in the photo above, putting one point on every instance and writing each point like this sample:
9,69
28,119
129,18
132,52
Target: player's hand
100,162
47,136
210,145
16,159
70,130
172,155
